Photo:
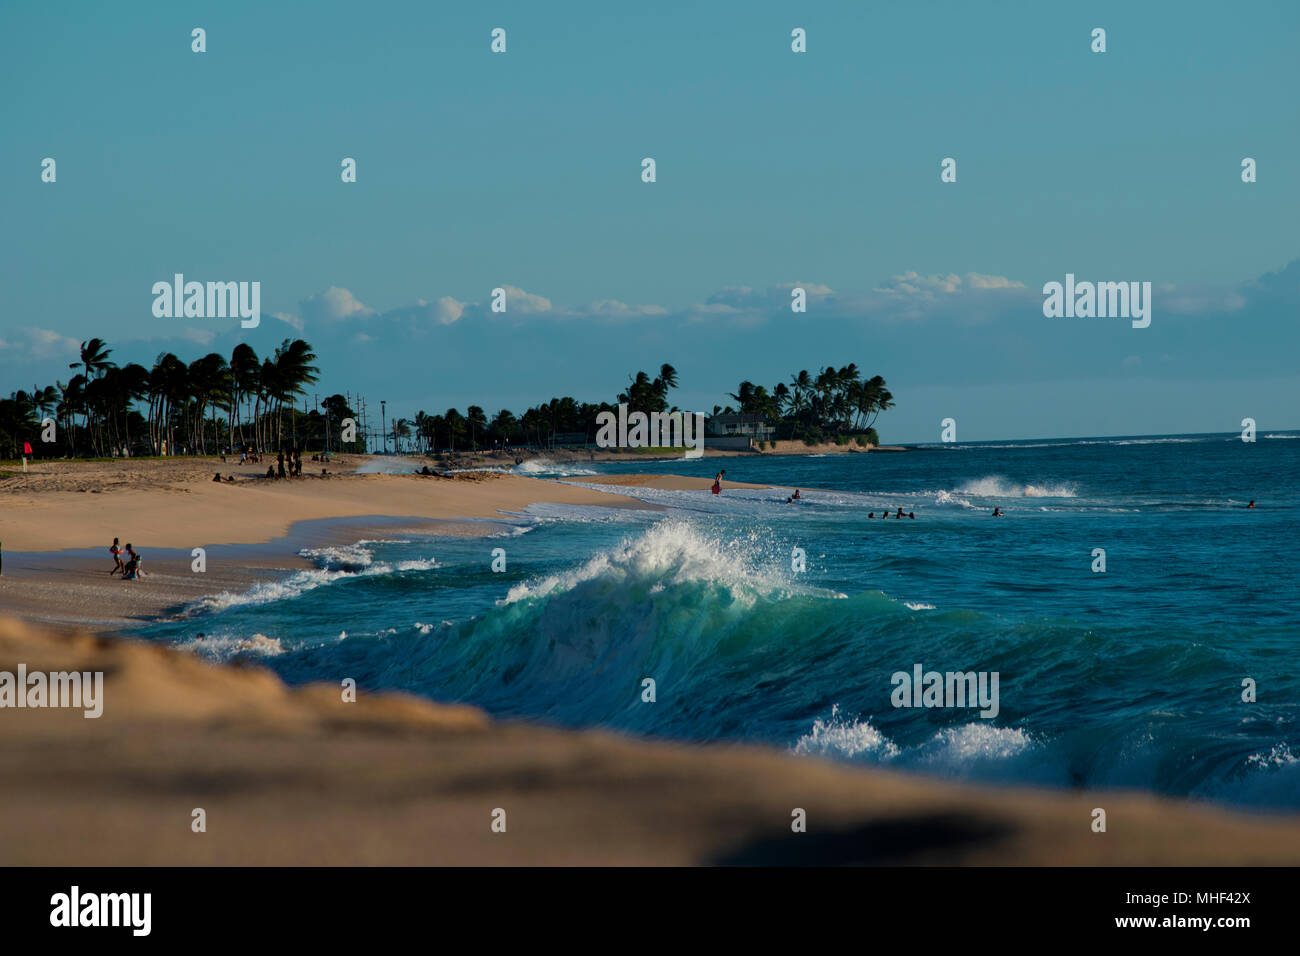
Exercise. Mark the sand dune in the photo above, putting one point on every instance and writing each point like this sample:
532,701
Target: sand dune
300,777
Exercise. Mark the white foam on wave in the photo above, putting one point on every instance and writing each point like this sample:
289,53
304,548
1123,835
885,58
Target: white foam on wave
948,498
995,486
1279,756
918,606
675,551
335,563
349,557
224,647
956,748
544,467
951,750
837,737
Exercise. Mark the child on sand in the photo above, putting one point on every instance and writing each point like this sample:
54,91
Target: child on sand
132,569
116,551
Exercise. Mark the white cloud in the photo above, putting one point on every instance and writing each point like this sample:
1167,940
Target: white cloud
930,286
34,343
519,301
613,309
333,304
448,310
199,336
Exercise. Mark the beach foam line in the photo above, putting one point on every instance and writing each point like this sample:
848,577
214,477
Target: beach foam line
334,563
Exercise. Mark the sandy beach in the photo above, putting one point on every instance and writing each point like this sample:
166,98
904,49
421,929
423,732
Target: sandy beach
57,521
176,504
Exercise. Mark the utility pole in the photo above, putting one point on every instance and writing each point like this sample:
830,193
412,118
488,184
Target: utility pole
383,418
365,426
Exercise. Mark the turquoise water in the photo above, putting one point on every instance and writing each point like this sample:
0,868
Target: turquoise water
1132,677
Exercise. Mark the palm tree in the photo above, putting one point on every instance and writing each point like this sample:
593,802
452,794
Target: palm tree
401,430
293,372
94,359
244,372
455,423
505,425
476,418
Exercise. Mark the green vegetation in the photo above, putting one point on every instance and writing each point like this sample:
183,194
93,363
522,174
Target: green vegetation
835,403
215,404
199,408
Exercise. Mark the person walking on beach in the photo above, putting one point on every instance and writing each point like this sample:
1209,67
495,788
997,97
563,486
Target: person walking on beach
116,551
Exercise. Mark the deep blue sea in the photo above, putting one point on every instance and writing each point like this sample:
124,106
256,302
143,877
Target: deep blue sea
1132,677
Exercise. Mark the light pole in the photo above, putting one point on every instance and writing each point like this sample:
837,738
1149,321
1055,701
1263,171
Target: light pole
383,414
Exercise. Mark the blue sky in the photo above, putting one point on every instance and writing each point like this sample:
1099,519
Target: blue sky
522,170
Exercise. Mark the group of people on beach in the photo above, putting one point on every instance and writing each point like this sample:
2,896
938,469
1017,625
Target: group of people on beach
287,464
293,461
130,568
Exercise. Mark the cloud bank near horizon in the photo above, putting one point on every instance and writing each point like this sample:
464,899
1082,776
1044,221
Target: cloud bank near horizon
938,331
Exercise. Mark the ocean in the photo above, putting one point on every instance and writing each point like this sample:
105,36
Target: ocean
1133,677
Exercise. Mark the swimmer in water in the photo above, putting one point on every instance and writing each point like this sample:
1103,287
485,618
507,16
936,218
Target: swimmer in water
997,513
1252,503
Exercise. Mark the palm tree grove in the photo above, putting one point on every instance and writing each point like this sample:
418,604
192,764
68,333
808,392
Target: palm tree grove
216,404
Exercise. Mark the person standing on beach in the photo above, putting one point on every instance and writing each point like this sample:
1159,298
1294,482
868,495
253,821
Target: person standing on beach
116,551
279,465
717,482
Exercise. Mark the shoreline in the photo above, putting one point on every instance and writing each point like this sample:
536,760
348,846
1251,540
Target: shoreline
250,531
55,530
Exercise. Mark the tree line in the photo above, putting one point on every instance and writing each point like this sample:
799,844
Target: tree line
216,403
210,404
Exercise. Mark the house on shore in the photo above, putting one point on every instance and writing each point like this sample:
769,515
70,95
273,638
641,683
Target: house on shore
739,425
